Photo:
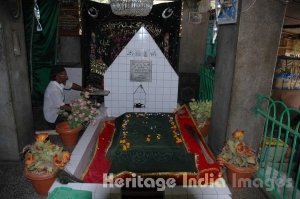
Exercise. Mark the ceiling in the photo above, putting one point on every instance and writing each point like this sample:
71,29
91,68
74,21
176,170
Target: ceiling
292,18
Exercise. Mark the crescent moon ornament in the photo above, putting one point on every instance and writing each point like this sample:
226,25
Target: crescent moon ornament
168,12
93,12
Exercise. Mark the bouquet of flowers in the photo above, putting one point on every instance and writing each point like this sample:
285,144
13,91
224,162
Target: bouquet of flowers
237,152
200,110
83,111
43,156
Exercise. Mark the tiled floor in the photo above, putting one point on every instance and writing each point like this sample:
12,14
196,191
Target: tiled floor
13,185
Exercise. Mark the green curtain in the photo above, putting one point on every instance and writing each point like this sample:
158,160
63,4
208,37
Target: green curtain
41,45
207,73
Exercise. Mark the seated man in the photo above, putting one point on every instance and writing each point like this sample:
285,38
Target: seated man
54,95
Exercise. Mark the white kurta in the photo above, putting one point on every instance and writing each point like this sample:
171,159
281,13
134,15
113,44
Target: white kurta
54,99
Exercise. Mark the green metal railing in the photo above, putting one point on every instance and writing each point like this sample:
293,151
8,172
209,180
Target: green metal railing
206,89
279,167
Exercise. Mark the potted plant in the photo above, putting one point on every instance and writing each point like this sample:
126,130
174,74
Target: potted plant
83,111
201,111
239,159
42,161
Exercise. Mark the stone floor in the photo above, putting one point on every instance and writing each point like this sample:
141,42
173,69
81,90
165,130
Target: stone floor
13,185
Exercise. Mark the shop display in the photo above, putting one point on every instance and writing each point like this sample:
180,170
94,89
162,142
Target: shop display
287,73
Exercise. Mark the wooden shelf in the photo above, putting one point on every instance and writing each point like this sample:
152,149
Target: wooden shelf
288,58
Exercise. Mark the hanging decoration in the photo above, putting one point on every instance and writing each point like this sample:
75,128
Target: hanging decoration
37,16
106,34
93,12
139,97
215,27
41,52
215,33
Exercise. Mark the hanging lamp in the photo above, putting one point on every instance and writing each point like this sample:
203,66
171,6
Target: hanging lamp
131,7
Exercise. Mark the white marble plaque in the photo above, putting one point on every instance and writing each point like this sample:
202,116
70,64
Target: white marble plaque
140,71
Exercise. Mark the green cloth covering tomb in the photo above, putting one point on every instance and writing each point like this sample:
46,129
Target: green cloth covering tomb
147,143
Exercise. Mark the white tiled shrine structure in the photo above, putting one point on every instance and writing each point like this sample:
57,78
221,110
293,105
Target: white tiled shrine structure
140,79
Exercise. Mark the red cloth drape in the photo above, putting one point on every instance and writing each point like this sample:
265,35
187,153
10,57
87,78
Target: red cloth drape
99,165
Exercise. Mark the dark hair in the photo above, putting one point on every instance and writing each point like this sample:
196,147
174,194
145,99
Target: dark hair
56,70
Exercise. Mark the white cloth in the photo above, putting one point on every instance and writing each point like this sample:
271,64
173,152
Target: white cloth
54,99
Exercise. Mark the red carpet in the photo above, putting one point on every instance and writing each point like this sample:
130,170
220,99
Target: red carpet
208,168
99,164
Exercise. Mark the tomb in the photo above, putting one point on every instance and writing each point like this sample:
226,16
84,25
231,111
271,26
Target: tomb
142,83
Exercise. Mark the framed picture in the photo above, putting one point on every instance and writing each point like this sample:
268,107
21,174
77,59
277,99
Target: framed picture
195,17
226,11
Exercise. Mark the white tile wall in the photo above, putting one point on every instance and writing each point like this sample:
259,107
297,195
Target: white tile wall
75,75
161,92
